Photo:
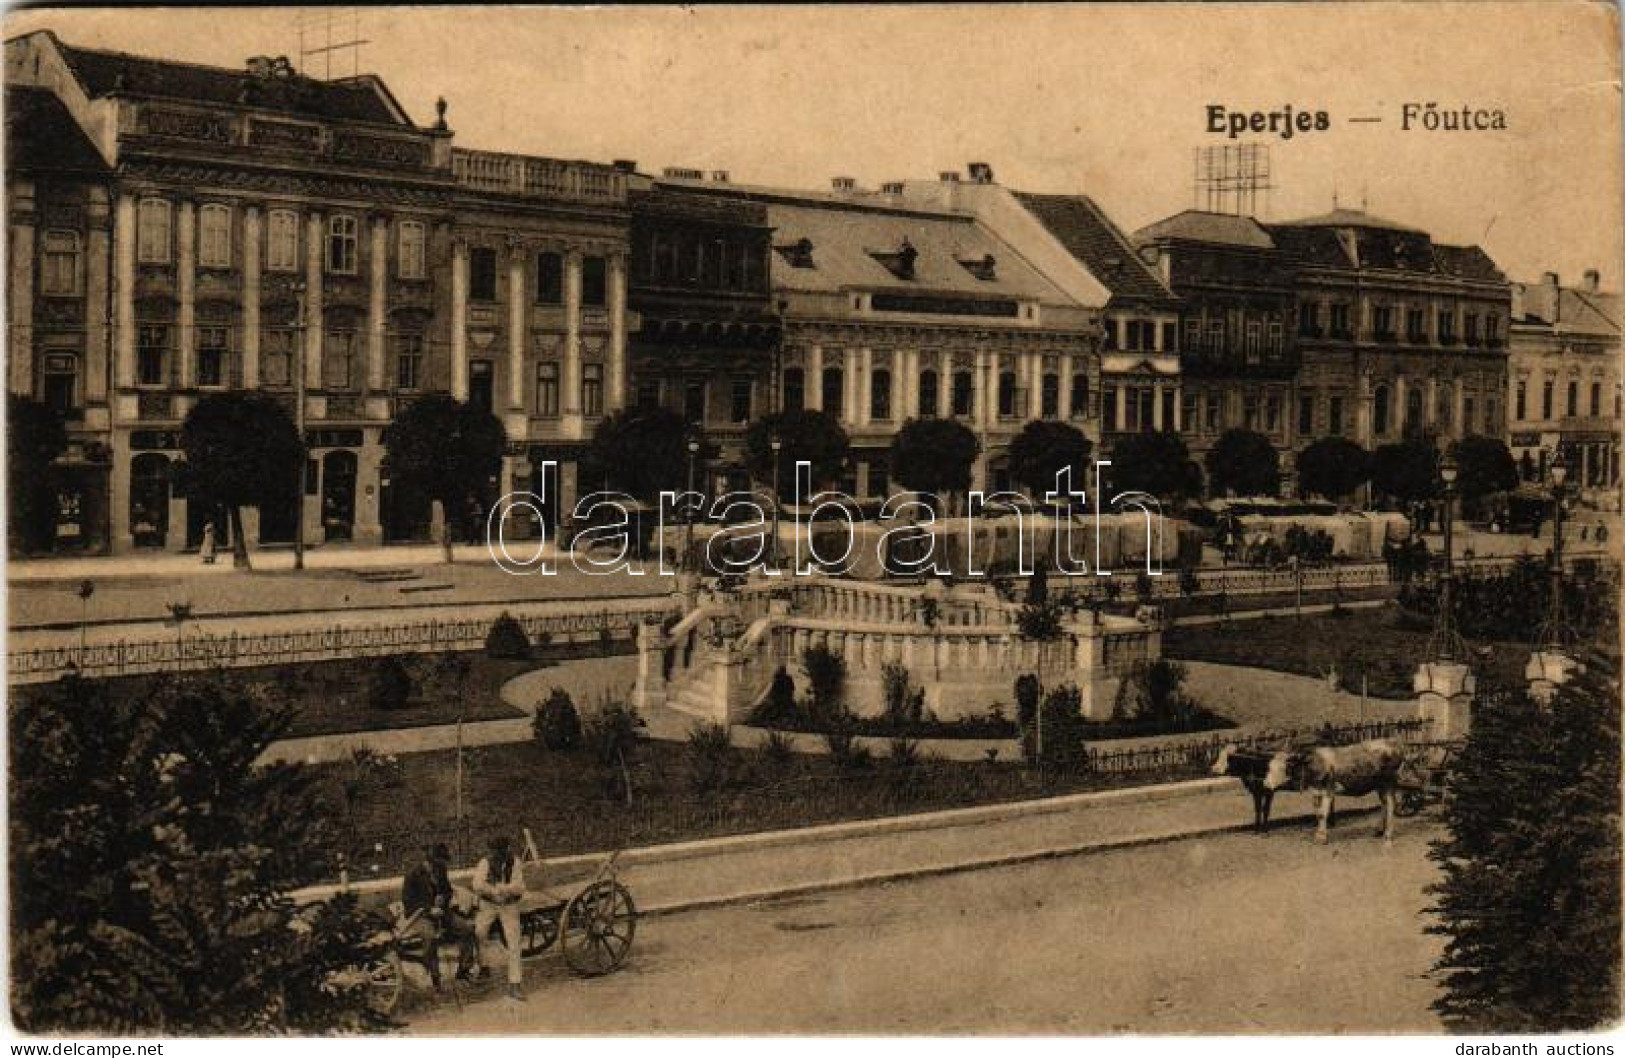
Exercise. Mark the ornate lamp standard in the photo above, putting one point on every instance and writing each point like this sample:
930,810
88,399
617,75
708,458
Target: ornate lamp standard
1552,633
776,445
1446,643
300,338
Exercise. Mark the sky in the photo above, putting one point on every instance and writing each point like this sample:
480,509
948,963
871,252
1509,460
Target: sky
1110,101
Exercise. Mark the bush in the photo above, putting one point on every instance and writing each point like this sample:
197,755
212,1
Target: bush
507,639
556,724
392,684
904,703
826,678
1058,741
612,735
715,764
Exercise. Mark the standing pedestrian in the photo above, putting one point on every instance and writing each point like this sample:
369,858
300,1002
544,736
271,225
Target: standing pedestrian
499,882
206,549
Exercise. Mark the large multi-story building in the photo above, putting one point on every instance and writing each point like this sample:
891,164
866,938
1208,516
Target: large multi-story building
895,309
273,232
1565,383
1342,324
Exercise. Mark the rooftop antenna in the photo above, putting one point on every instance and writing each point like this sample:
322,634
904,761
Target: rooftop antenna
316,38
1230,179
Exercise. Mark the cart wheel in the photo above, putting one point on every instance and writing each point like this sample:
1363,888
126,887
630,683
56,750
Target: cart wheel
1410,802
539,929
385,981
598,928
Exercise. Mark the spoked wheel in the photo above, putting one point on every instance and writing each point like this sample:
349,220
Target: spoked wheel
598,928
385,981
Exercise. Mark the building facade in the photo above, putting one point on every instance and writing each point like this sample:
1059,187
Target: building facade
277,233
894,309
1564,379
707,329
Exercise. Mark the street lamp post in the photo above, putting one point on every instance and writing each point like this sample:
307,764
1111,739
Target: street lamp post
1554,620
776,445
1447,644
688,513
300,325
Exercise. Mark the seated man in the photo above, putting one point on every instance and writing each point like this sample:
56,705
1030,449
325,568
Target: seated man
427,899
499,882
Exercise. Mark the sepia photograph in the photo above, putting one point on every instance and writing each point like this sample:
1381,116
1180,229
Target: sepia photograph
918,520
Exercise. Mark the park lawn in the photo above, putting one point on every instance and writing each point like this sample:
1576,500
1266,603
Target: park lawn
1383,643
572,804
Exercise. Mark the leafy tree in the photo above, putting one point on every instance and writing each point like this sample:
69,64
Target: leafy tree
152,860
1407,470
642,452
35,437
1245,463
1530,894
813,436
449,451
1333,467
1042,449
934,456
241,451
1484,465
1155,463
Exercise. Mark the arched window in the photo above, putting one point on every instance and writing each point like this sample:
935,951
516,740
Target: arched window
963,395
928,394
282,241
153,231
214,236
880,395
1007,394
1379,410
1051,403
1445,412
343,240
795,389
1080,395
834,383
1413,409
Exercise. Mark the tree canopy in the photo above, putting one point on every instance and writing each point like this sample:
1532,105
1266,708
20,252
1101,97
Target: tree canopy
642,452
934,456
35,436
1407,470
814,436
1529,898
450,451
1155,463
155,859
1332,467
1484,465
242,450
1042,449
1245,463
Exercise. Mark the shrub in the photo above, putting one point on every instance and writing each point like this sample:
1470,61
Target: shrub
507,639
392,684
904,703
1151,691
1058,741
779,747
612,735
556,724
826,677
715,764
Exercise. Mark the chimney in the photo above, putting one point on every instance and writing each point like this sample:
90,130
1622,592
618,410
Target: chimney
948,176
719,176
980,172
1551,279
1593,280
843,184
625,165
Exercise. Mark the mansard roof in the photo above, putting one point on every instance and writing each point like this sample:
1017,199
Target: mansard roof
362,98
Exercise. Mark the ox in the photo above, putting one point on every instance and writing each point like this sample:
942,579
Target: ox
1251,767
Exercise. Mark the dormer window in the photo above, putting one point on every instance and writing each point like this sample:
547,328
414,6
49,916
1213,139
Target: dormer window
899,262
984,268
798,254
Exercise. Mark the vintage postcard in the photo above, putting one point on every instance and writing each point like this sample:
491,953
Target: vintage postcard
1082,520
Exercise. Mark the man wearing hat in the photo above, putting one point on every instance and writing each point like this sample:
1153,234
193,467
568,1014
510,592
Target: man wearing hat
427,897
499,882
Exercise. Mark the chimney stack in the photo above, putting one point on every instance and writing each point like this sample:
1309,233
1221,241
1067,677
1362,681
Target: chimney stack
1593,280
948,176
1552,280
980,172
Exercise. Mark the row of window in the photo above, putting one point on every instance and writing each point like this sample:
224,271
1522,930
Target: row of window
1138,335
483,265
1548,393
342,251
1385,320
1013,401
701,260
1444,411
1258,339
696,398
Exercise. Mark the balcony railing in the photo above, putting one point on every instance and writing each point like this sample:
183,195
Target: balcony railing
523,175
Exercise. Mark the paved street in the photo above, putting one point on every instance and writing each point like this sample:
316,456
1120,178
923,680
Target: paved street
1234,933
